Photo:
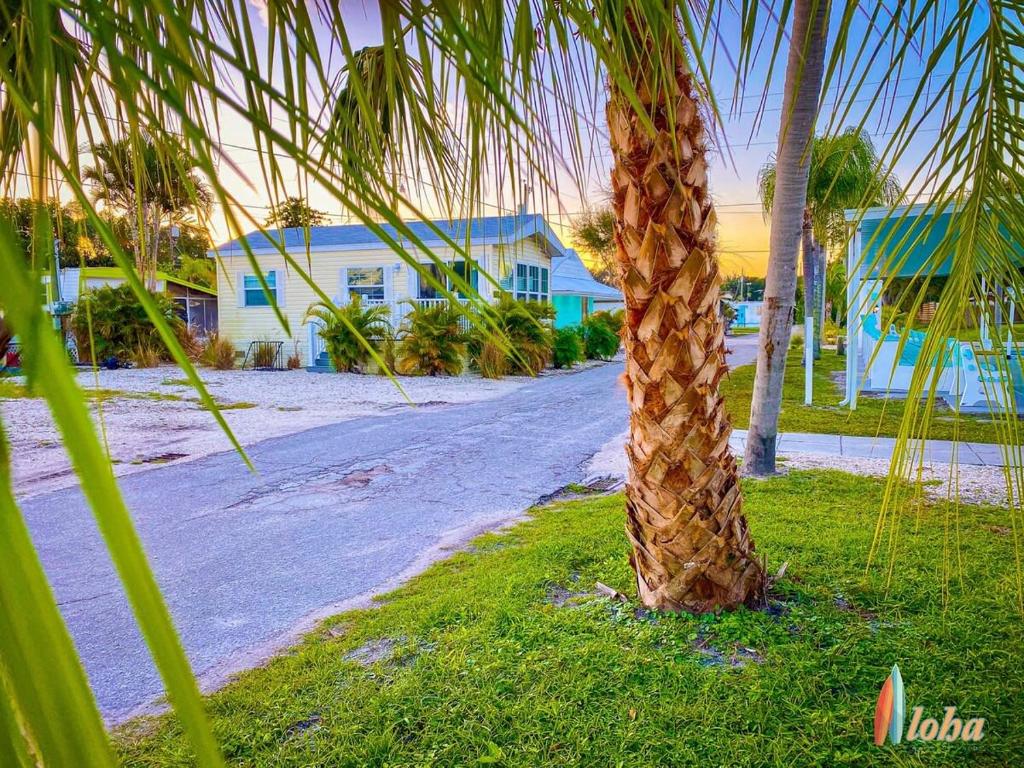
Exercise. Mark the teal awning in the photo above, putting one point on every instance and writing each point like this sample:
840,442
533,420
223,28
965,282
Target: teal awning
906,242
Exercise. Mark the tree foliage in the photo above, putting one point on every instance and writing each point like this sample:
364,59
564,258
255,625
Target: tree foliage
593,233
432,341
154,186
295,212
846,172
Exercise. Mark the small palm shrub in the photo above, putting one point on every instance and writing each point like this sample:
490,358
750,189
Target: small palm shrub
432,342
488,357
526,326
144,356
218,352
349,330
600,342
120,325
190,342
567,349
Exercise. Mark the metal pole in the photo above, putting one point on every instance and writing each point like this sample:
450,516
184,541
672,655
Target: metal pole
808,359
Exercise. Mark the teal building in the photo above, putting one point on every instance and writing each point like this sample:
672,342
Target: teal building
575,294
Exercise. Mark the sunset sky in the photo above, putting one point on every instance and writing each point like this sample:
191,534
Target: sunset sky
749,139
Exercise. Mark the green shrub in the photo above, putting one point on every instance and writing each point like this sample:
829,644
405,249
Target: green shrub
567,348
347,331
432,342
613,320
526,326
218,352
120,326
600,342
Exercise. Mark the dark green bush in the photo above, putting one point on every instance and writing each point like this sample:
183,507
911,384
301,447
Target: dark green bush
600,342
526,326
432,342
613,320
567,349
120,326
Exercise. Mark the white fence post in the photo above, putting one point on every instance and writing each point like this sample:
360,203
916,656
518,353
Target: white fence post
809,359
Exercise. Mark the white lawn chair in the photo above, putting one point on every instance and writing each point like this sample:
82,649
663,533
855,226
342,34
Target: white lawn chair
982,386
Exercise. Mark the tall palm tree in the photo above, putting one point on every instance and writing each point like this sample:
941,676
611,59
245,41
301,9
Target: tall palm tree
845,172
691,546
804,72
152,188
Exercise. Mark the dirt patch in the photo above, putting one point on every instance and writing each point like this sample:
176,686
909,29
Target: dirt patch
373,651
737,658
313,721
360,478
560,597
592,487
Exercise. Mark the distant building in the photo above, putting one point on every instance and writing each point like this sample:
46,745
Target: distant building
197,304
576,294
520,253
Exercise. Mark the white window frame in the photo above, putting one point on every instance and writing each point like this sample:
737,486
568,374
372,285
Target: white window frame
275,281
347,289
536,275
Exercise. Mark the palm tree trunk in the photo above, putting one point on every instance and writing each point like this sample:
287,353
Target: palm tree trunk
691,547
799,111
809,256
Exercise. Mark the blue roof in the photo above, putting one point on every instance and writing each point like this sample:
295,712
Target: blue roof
570,275
484,230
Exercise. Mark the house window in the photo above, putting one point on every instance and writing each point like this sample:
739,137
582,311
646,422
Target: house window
368,282
427,289
253,291
532,282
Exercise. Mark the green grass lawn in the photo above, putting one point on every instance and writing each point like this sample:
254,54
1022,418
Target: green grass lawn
874,416
505,656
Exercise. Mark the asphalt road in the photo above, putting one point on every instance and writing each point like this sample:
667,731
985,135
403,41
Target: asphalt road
335,514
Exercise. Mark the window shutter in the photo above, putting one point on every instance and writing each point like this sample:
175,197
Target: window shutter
279,287
240,287
414,282
343,296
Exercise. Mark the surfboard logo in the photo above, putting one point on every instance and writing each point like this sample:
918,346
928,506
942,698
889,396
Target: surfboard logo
890,709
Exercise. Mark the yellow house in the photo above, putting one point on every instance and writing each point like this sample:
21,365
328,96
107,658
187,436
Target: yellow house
515,250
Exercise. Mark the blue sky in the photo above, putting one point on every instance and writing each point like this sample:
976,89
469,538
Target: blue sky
750,129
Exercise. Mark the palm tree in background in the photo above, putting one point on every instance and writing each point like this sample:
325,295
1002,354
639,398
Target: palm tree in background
845,173
518,75
804,73
153,188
